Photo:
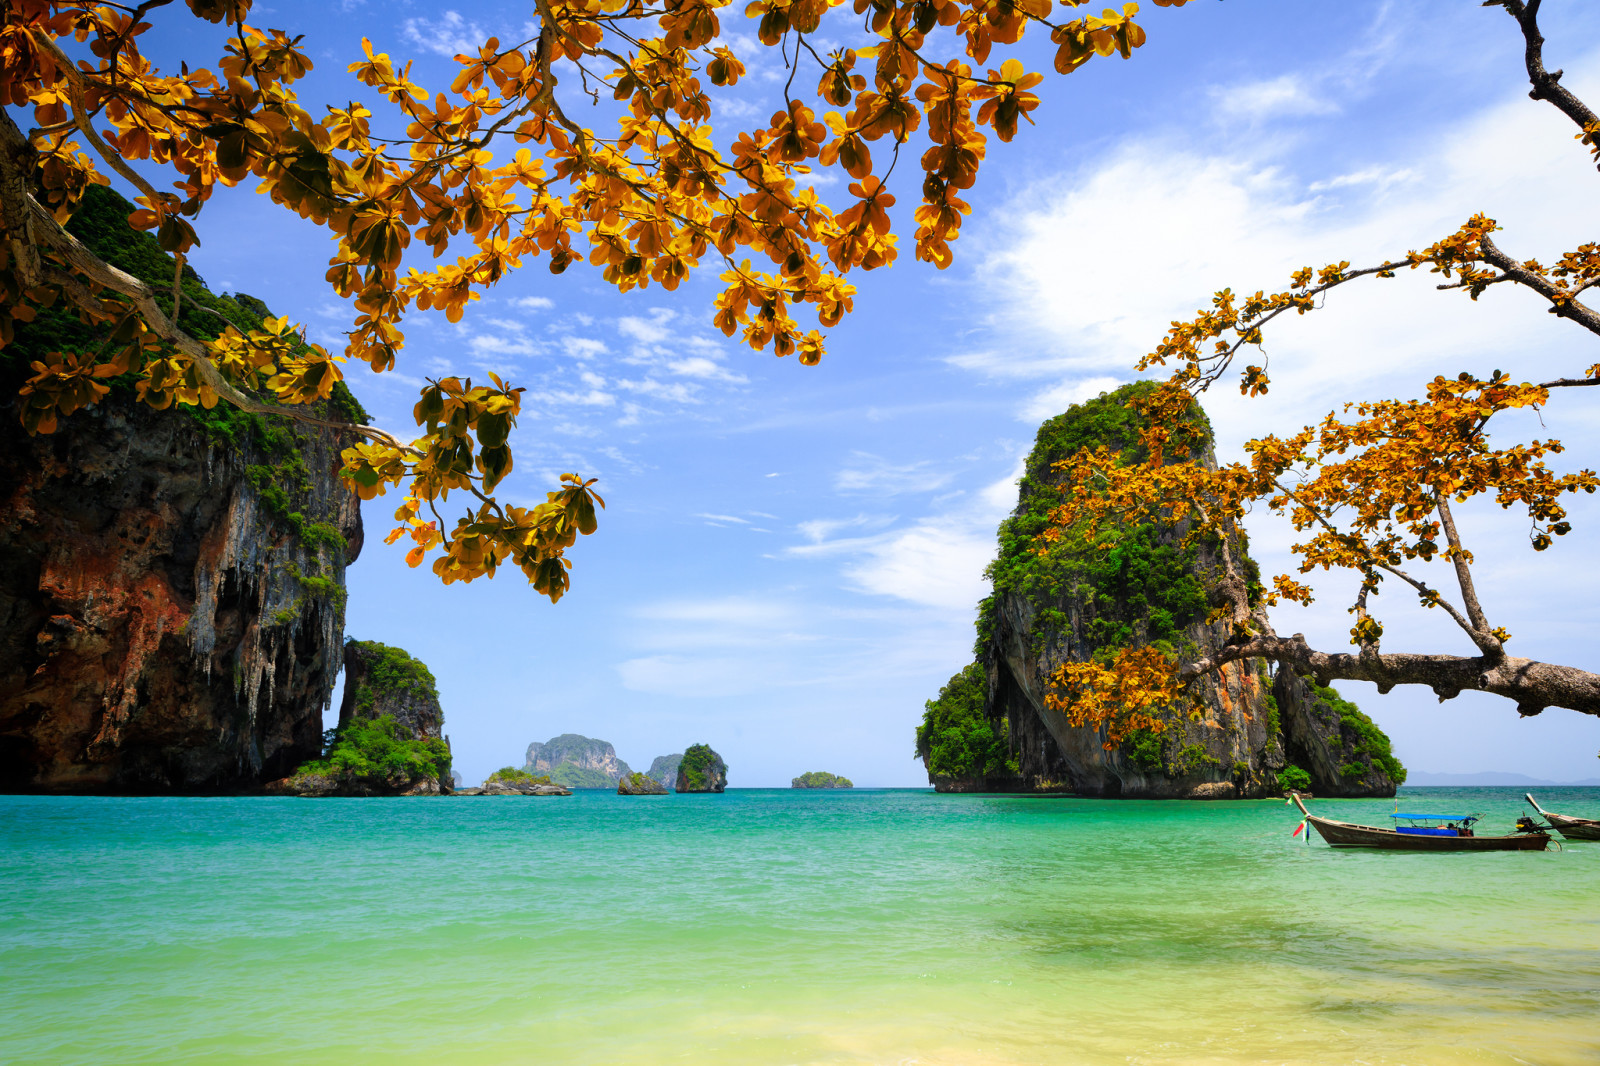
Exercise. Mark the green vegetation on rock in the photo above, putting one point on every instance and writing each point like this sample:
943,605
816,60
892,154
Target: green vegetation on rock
821,779
1294,779
390,672
512,775
379,749
956,738
1143,590
697,769
1371,741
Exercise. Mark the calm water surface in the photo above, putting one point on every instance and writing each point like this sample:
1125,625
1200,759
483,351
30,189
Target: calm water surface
782,927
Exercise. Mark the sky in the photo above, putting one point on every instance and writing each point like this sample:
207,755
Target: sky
790,558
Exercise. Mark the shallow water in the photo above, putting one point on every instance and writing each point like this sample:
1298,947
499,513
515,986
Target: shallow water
782,927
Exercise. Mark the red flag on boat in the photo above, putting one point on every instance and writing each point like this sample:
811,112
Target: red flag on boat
1297,829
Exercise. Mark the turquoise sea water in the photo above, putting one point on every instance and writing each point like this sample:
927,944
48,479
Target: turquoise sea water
782,927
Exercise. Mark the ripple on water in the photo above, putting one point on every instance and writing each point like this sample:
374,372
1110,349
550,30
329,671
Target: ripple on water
778,927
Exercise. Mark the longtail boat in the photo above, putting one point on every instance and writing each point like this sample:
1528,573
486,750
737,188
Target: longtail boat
1455,835
1568,826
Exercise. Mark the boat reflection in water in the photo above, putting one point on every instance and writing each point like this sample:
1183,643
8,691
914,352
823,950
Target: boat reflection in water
1441,832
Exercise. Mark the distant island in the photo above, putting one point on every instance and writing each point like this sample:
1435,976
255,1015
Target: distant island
576,762
821,779
702,770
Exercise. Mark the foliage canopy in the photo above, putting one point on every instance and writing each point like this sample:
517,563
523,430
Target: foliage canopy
956,738
1370,492
417,169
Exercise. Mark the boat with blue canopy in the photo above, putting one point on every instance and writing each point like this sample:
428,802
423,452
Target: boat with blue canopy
1424,832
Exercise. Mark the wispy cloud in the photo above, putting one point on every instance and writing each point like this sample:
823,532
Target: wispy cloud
449,35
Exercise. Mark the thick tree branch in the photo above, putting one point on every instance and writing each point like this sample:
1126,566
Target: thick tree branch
1532,685
1546,83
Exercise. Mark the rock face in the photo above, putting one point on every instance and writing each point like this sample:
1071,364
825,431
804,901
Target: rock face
162,628
1074,602
702,770
576,761
380,680
821,779
171,582
637,784
664,768
1329,738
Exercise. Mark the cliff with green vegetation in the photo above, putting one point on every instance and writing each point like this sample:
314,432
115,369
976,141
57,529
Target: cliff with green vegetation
171,581
664,768
390,738
989,729
821,779
576,761
702,770
1340,750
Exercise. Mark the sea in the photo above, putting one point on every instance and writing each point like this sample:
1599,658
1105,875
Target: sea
784,926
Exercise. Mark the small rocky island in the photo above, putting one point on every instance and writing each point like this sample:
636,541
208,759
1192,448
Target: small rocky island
702,770
665,769
389,740
637,784
821,779
509,781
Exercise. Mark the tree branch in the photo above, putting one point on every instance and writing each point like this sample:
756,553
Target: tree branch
1546,83
1532,685
1561,303
1486,641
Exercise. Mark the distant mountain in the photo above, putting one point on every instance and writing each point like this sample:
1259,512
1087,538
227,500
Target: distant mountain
1488,779
665,769
576,761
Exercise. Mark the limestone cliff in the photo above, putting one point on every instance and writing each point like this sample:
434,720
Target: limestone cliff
171,582
576,761
1075,603
664,768
380,680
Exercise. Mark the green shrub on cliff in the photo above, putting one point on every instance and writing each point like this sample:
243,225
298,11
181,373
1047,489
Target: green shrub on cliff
391,671
956,738
1294,779
512,775
379,748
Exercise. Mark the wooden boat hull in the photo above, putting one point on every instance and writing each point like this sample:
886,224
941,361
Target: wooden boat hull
1349,835
1574,828
1568,826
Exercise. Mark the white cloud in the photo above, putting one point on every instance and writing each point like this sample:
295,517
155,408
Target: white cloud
678,392
1378,178
583,347
449,36
1057,398
723,519
486,344
701,367
870,473
652,330
533,303
1288,96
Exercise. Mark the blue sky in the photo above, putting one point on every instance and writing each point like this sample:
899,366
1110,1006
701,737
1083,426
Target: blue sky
791,556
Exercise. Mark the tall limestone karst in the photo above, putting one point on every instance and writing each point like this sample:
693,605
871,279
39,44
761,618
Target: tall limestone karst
576,761
171,582
390,738
1075,603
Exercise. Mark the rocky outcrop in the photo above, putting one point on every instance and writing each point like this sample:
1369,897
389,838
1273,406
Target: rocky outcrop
702,770
513,788
820,779
1077,601
576,761
637,784
1328,737
171,582
664,768
325,786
